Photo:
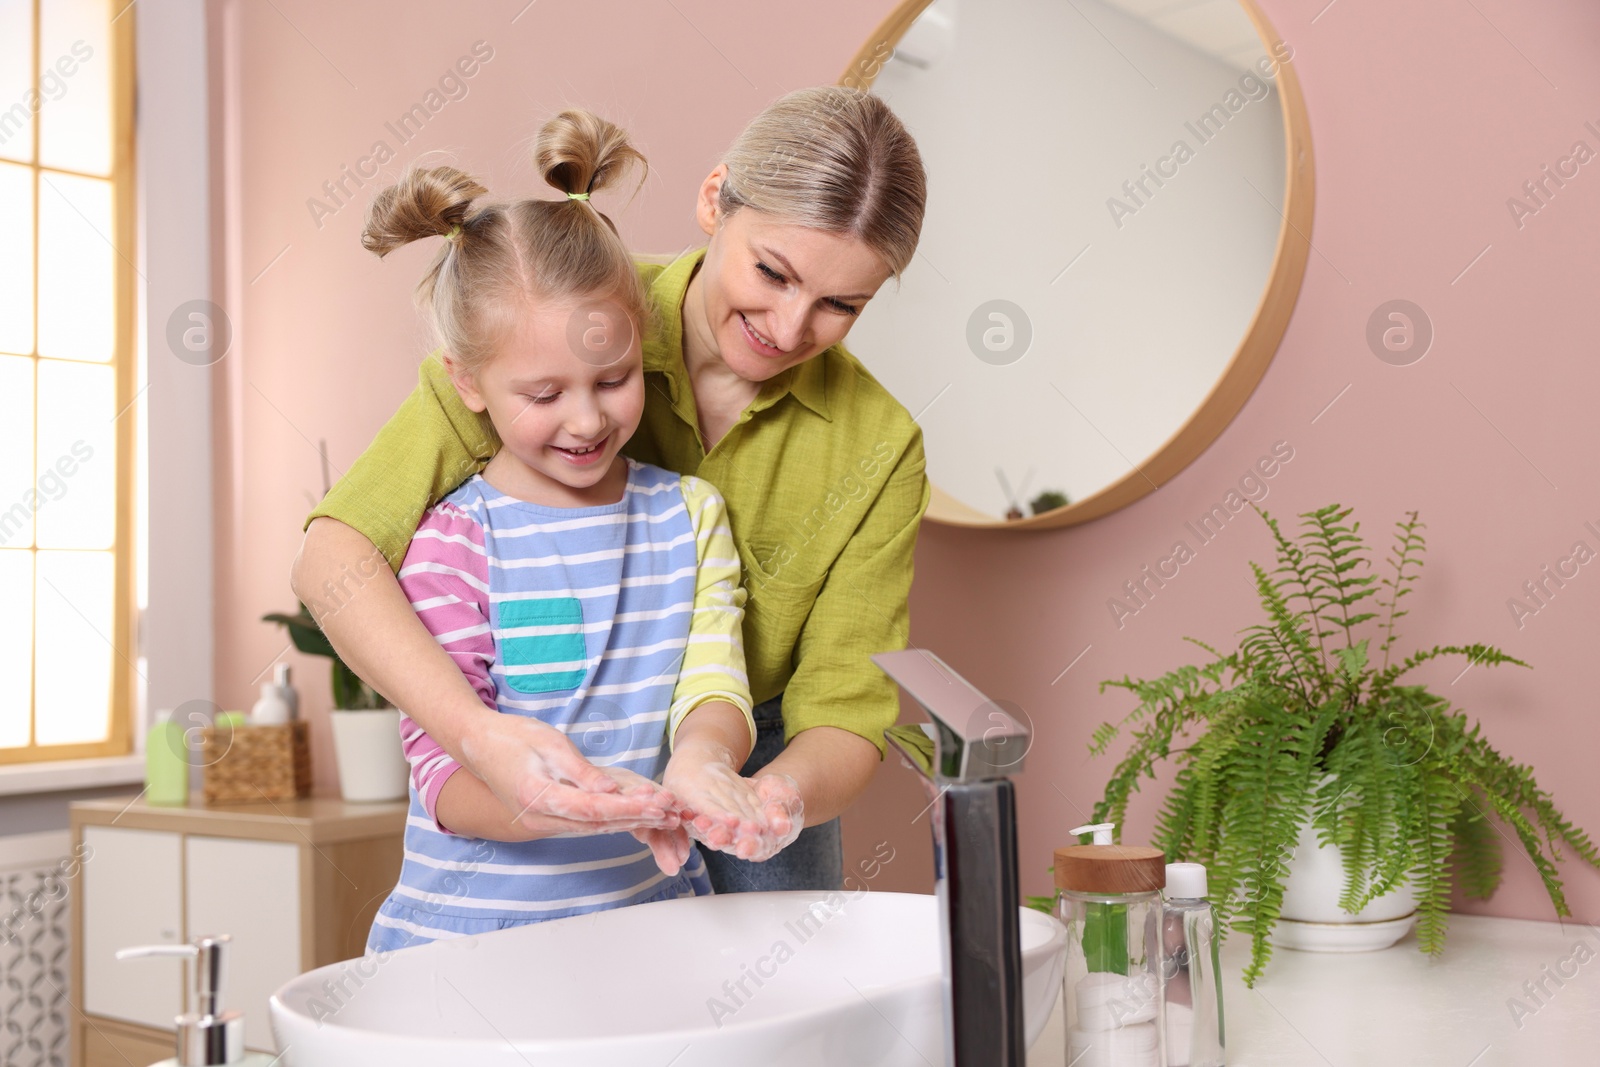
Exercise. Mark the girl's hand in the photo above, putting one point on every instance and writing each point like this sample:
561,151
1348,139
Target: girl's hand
753,819
540,776
668,844
669,847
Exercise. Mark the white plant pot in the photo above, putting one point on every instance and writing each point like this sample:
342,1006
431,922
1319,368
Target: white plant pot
1312,919
366,747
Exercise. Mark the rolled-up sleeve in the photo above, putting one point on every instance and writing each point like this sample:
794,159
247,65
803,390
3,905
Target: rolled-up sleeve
861,610
430,446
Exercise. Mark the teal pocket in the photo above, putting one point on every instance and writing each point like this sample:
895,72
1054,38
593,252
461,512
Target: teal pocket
542,663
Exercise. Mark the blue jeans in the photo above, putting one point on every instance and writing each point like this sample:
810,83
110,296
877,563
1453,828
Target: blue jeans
814,861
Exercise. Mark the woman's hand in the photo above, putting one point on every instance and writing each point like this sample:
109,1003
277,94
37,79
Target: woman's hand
784,812
537,773
531,768
467,806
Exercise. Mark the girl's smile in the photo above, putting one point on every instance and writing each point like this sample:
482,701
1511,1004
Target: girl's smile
583,456
562,418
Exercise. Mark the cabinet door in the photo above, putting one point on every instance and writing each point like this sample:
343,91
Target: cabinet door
249,890
132,895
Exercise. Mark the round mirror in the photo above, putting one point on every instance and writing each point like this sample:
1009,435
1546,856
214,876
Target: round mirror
1119,199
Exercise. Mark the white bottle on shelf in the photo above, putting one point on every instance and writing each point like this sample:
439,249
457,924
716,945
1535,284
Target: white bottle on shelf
272,709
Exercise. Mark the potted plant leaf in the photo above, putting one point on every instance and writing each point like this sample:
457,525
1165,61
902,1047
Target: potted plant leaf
1308,733
366,727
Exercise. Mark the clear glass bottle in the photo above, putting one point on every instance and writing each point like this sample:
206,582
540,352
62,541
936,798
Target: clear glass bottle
1191,971
1109,898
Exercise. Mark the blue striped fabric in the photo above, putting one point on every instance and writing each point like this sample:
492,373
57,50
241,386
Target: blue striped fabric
590,611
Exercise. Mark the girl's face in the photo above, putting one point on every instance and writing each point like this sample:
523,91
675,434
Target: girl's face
565,391
776,293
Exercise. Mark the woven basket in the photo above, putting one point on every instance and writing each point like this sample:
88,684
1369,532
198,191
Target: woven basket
245,763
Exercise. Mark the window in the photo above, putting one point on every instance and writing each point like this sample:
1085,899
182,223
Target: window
67,290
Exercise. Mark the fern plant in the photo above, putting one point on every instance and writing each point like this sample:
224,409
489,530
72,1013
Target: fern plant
1311,717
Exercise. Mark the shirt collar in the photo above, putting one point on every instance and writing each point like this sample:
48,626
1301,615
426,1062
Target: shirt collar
663,345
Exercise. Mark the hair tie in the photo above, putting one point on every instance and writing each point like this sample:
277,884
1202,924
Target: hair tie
454,232
577,196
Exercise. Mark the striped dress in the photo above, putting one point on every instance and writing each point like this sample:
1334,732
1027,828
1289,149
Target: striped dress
610,623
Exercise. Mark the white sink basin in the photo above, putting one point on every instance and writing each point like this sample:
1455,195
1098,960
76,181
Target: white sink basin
854,983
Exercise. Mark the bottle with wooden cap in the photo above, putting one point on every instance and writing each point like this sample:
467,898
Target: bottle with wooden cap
1109,898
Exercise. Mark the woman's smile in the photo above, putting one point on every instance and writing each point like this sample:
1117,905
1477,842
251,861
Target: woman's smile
762,345
771,294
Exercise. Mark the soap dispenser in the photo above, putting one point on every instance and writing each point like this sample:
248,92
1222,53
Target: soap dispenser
272,709
1109,898
290,695
207,1036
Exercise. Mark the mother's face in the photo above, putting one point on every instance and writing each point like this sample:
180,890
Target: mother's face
776,293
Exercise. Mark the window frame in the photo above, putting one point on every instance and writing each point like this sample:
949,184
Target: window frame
123,697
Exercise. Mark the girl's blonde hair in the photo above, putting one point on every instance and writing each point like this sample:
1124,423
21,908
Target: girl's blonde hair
500,257
832,159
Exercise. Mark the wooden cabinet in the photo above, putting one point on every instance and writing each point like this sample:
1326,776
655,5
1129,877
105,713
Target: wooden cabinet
132,894
295,883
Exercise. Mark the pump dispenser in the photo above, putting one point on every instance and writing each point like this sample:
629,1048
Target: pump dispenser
207,1036
1108,897
272,709
290,695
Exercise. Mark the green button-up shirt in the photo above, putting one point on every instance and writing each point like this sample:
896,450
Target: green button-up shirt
824,478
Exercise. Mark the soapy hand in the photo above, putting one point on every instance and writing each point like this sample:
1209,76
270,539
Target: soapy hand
751,818
784,812
542,778
669,844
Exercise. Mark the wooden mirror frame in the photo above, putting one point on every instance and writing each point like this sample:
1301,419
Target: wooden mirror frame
1261,338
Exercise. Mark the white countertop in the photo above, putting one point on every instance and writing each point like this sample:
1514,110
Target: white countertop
1398,1008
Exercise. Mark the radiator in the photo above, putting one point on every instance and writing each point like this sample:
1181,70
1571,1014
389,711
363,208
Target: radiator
35,960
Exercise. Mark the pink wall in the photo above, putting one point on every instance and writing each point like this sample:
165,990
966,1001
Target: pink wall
1425,117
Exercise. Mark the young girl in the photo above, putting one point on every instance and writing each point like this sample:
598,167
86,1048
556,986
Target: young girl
567,581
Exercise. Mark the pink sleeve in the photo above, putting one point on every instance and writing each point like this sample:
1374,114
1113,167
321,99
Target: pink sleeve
445,575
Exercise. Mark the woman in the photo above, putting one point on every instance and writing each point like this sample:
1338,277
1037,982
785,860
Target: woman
816,205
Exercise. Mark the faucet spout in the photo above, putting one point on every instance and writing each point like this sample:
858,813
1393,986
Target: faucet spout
963,756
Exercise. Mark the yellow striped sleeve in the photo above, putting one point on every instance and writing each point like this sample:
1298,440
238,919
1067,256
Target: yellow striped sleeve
713,661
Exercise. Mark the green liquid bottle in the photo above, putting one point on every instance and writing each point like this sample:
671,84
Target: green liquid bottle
166,763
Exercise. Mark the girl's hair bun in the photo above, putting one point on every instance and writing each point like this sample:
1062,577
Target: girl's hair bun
580,152
508,256
427,202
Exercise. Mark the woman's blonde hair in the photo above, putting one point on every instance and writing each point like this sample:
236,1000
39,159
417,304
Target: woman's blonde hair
500,257
832,159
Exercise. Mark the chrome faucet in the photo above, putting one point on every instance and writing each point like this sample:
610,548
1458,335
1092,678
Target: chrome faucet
964,756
